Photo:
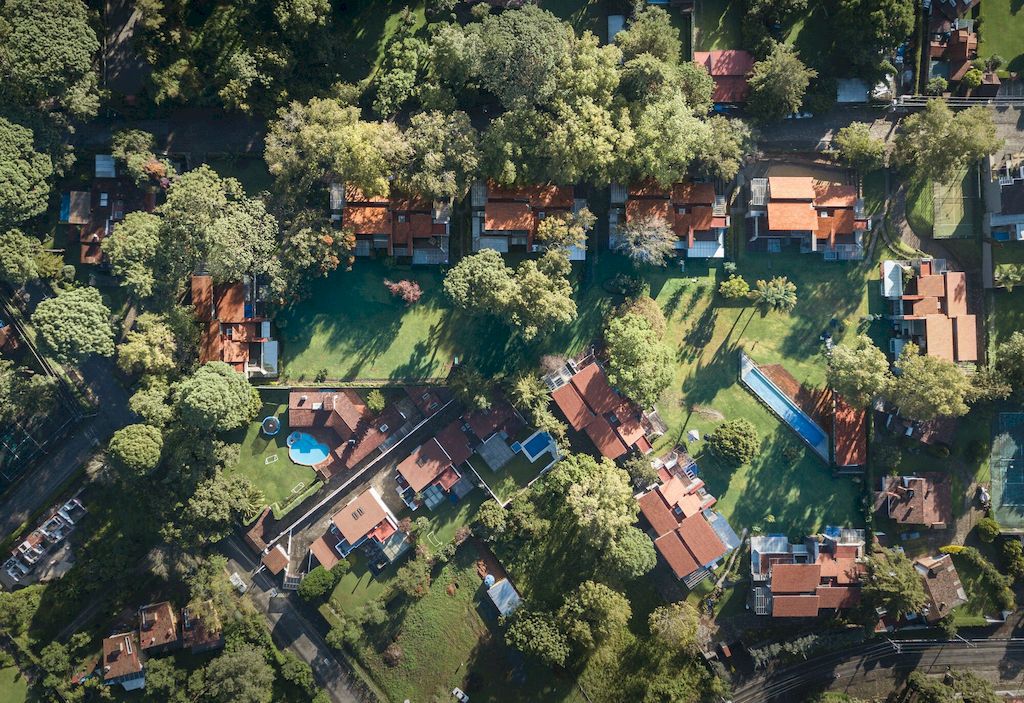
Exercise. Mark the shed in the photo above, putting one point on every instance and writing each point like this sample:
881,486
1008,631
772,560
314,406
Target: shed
504,596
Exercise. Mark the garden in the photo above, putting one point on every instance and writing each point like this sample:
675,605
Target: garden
1002,32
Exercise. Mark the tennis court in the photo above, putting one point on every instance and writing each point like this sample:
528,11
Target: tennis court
955,206
1007,467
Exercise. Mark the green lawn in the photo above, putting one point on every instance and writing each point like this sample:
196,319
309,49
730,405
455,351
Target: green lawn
250,170
582,14
364,29
812,35
979,595
920,211
956,206
1002,32
513,476
873,189
281,478
1007,313
13,687
718,24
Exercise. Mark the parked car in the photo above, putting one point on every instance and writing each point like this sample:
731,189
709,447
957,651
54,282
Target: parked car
460,696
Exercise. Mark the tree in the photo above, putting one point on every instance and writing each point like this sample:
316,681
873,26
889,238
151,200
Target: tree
239,676
646,307
297,672
134,148
375,401
136,448
490,520
520,52
935,142
316,584
150,403
731,142
132,250
413,579
630,554
24,172
778,83
988,529
150,348
445,154
891,582
1012,553
241,241
75,324
216,502
735,441
600,499
470,387
47,55
216,398
399,78
639,363
1009,360
299,16
641,471
18,254
972,79
868,29
651,32
928,387
647,240
565,229
480,282
667,139
859,372
936,86
858,149
592,613
734,288
22,392
779,293
675,627
538,635
408,291
17,608
544,297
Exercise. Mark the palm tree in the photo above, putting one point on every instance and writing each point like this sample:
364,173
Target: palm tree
777,294
1009,275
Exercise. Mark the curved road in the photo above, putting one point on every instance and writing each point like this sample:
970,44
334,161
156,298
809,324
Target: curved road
886,658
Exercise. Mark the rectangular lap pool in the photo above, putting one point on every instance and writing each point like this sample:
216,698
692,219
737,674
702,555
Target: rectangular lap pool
783,406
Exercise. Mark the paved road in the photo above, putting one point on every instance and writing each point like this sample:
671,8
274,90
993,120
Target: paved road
191,131
1001,661
56,467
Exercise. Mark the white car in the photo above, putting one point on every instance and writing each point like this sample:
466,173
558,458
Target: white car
460,696
800,116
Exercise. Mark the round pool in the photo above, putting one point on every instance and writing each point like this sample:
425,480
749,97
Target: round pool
305,450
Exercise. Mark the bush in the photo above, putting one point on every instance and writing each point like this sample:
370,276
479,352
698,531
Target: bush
1013,558
988,530
317,584
735,440
734,288
393,654
936,86
409,291
375,401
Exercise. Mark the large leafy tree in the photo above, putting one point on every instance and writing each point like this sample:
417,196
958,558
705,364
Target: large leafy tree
18,253
516,148
481,283
675,626
937,142
24,174
599,498
859,372
631,553
736,441
892,583
538,634
651,32
1009,360
134,148
667,139
216,398
132,250
22,393
868,29
928,387
777,293
445,154
46,55
647,240
150,348
136,448
639,363
778,83
216,502
243,240
75,324
239,676
858,148
730,144
592,613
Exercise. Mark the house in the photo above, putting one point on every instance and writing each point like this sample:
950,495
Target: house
234,326
690,536
408,227
276,560
698,216
952,40
500,417
941,585
505,218
8,338
916,500
729,69
158,628
821,216
1004,221
365,522
800,580
928,306
201,628
343,414
614,424
123,661
432,472
849,435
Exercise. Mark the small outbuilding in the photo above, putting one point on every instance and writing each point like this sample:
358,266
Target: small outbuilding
504,596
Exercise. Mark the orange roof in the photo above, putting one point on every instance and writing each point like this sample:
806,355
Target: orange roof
276,560
570,402
508,217
725,62
938,335
359,516
828,194
424,465
158,625
629,428
794,606
701,539
965,328
933,285
604,438
121,656
648,207
791,187
539,196
699,219
787,216
354,194
851,436
795,578
956,293
368,219
844,569
693,193
924,306
211,343
657,512
324,552
229,302
592,384
676,554
837,596
202,297
648,189
347,410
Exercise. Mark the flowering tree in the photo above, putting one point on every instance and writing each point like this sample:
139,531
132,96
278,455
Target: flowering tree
409,291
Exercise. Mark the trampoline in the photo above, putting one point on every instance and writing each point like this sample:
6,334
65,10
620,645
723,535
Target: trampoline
270,426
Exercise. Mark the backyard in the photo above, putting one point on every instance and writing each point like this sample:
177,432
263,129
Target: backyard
980,598
1002,32
13,687
718,24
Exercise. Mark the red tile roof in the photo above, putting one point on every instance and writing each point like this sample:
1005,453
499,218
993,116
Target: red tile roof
657,512
229,302
508,217
645,208
455,442
570,402
691,193
791,187
729,70
805,606
604,438
701,539
427,462
829,194
276,560
838,596
792,216
202,297
325,552
593,385
368,219
484,423
679,558
851,434
795,578
360,516
158,625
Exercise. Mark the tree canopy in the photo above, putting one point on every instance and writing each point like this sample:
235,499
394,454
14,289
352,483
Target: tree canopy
75,324
936,142
892,582
858,148
859,372
216,398
639,362
24,174
18,254
136,448
927,387
22,393
778,83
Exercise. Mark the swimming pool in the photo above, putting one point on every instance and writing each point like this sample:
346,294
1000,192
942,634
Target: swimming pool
783,406
305,450
536,445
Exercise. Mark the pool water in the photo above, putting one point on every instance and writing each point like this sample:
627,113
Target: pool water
536,444
305,450
785,408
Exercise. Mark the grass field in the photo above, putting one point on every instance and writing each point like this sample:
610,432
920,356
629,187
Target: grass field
873,190
718,25
13,687
979,595
956,206
1002,32
513,476
250,170
365,28
920,209
280,478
